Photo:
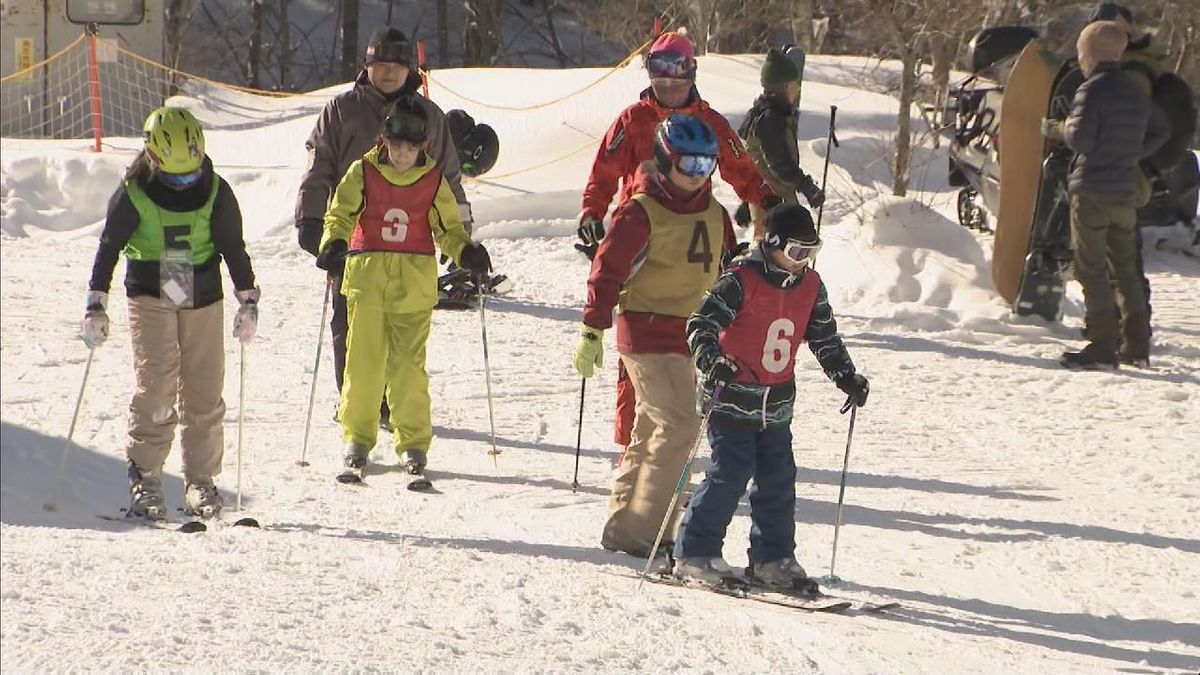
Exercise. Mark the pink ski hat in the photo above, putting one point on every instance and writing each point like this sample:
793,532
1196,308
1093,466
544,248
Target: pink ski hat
675,43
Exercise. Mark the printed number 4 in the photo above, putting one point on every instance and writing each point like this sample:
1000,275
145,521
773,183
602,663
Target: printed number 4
700,250
777,350
396,228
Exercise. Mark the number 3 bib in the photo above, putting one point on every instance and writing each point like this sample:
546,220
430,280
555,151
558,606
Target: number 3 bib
395,218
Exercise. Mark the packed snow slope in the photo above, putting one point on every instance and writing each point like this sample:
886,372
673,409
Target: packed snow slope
1030,519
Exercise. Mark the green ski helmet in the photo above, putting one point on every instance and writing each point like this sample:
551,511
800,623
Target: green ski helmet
174,141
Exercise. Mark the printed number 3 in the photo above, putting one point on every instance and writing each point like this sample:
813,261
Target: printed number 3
396,229
777,350
700,250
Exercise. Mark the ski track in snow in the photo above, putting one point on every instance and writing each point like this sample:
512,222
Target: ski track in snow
1029,518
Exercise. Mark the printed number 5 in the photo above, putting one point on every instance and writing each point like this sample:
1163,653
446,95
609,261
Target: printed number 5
699,250
397,225
777,350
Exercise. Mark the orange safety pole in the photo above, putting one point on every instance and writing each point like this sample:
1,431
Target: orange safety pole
423,68
658,26
94,79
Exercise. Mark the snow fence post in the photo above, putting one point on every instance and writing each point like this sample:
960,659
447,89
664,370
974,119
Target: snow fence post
94,81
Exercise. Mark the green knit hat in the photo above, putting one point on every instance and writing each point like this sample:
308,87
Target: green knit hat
778,69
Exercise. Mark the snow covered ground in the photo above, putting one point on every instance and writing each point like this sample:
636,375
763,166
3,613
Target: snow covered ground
1030,519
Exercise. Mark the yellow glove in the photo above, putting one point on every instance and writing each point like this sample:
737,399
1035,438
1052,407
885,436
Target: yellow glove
1052,129
590,352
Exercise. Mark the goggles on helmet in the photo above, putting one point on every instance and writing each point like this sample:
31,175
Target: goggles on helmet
798,251
696,165
389,52
671,65
405,128
180,181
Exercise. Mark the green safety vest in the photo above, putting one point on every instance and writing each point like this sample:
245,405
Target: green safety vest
160,229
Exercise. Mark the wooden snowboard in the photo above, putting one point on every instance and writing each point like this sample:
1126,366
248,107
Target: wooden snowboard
1026,102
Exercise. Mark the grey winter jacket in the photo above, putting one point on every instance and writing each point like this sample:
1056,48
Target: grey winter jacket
349,126
1113,125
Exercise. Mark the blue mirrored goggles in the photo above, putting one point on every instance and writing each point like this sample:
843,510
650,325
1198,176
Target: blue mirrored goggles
671,65
696,165
180,181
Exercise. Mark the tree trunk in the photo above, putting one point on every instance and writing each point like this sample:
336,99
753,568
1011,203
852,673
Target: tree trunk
349,36
177,15
908,91
443,33
255,57
802,24
481,32
285,47
548,6
942,50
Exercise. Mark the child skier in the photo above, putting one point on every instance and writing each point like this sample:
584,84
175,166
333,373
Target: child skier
663,252
175,219
744,339
380,229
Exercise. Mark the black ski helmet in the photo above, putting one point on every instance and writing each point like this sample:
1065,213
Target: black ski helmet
406,121
388,45
460,125
479,151
1111,11
789,221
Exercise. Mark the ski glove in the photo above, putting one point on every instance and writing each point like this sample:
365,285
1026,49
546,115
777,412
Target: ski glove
742,215
856,387
245,322
308,234
332,258
812,193
590,352
591,230
721,372
729,256
95,320
1052,129
475,258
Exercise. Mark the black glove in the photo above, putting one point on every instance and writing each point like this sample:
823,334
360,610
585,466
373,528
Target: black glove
742,215
591,230
332,258
721,372
587,250
739,249
308,233
856,387
475,258
814,194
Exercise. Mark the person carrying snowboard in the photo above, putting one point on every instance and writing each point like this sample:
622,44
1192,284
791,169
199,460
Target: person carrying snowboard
770,132
175,219
1113,124
387,213
629,142
744,339
663,252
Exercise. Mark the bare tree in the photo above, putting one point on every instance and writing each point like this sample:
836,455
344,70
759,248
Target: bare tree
481,32
349,38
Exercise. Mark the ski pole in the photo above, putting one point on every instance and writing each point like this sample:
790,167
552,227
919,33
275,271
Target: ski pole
487,371
241,417
52,505
830,143
837,525
579,434
312,392
683,478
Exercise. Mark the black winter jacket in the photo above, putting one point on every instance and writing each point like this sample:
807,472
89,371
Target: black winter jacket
1113,125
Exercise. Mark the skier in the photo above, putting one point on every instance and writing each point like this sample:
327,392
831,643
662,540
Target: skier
770,132
744,339
654,267
1113,125
175,219
347,128
380,230
671,65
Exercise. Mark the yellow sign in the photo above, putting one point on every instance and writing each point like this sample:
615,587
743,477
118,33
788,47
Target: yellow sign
25,60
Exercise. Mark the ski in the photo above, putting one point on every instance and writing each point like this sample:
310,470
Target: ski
417,482
736,587
187,527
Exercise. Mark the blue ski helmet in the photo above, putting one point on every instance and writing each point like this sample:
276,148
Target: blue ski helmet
683,135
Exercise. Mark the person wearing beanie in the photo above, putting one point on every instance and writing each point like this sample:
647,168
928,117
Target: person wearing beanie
1112,126
770,133
347,128
744,340
629,142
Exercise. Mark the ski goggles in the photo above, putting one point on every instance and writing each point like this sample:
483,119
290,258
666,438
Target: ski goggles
390,52
696,165
180,181
798,251
405,128
671,65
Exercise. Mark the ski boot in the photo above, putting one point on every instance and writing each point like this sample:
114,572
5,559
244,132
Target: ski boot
354,463
711,572
412,462
784,575
1092,357
146,494
202,499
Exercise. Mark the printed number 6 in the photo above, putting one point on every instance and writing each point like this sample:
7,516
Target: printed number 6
777,350
396,229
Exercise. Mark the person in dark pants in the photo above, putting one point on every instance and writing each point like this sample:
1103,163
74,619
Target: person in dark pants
744,340
347,128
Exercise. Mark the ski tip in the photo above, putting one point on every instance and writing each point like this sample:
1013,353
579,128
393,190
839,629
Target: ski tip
192,527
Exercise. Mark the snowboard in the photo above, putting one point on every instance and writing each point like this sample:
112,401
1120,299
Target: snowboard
1043,282
1022,150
